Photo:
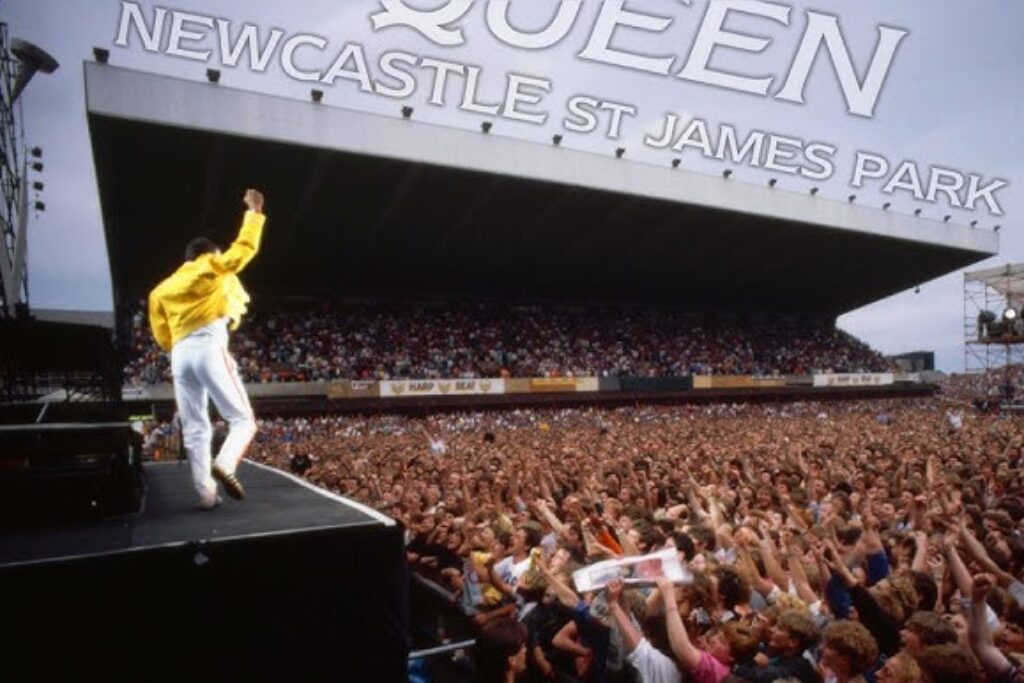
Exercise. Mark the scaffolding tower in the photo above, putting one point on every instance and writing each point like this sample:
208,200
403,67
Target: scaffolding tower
13,188
994,327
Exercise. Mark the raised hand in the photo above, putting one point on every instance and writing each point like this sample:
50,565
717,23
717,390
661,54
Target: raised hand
253,200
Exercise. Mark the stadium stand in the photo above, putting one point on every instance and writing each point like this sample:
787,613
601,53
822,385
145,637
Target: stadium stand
380,342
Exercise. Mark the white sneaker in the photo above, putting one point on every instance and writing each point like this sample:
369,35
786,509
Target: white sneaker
210,502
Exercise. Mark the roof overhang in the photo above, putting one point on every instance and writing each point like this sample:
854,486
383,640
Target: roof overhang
365,205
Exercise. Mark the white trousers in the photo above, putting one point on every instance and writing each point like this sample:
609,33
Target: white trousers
204,369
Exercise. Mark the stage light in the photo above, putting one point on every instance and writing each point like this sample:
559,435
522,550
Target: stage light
946,218
485,127
814,191
36,152
676,162
726,173
852,198
619,152
556,139
1010,314
917,212
772,182
38,186
407,112
885,207
316,95
38,167
213,75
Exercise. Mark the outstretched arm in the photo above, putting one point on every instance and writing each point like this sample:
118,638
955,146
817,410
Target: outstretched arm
631,635
685,651
247,243
978,633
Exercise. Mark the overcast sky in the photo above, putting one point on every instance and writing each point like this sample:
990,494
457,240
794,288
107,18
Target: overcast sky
953,99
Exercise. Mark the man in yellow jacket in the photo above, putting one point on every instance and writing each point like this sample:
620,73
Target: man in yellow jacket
190,313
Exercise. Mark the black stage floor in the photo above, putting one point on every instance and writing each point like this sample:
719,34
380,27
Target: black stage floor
275,503
293,583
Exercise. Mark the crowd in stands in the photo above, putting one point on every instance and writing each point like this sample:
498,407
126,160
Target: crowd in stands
863,541
378,342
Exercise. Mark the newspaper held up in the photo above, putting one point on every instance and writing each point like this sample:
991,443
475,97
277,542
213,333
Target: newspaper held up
634,571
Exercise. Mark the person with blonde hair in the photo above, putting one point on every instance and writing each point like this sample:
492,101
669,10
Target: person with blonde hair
848,651
899,669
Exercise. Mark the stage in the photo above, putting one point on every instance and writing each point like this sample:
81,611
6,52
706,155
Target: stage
293,583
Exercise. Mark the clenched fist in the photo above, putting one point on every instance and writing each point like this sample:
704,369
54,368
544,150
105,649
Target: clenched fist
253,200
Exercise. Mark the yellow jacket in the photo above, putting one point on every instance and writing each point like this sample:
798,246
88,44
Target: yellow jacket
205,289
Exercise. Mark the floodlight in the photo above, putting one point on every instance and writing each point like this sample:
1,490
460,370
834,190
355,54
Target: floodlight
33,58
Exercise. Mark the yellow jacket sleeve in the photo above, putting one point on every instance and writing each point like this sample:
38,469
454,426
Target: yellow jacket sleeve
158,321
244,247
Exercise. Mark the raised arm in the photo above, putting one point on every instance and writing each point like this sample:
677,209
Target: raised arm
247,243
977,550
684,650
978,633
631,635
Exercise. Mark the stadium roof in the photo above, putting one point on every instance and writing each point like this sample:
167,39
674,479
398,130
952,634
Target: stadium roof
364,205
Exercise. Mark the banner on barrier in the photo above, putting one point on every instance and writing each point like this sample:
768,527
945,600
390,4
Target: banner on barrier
555,384
353,389
441,387
737,382
866,379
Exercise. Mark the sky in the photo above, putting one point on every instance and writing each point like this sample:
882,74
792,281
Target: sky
954,98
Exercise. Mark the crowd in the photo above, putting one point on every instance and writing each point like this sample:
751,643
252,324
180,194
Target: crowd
378,342
866,541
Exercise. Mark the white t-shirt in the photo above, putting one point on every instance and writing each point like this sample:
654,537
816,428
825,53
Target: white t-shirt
653,666
1016,589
